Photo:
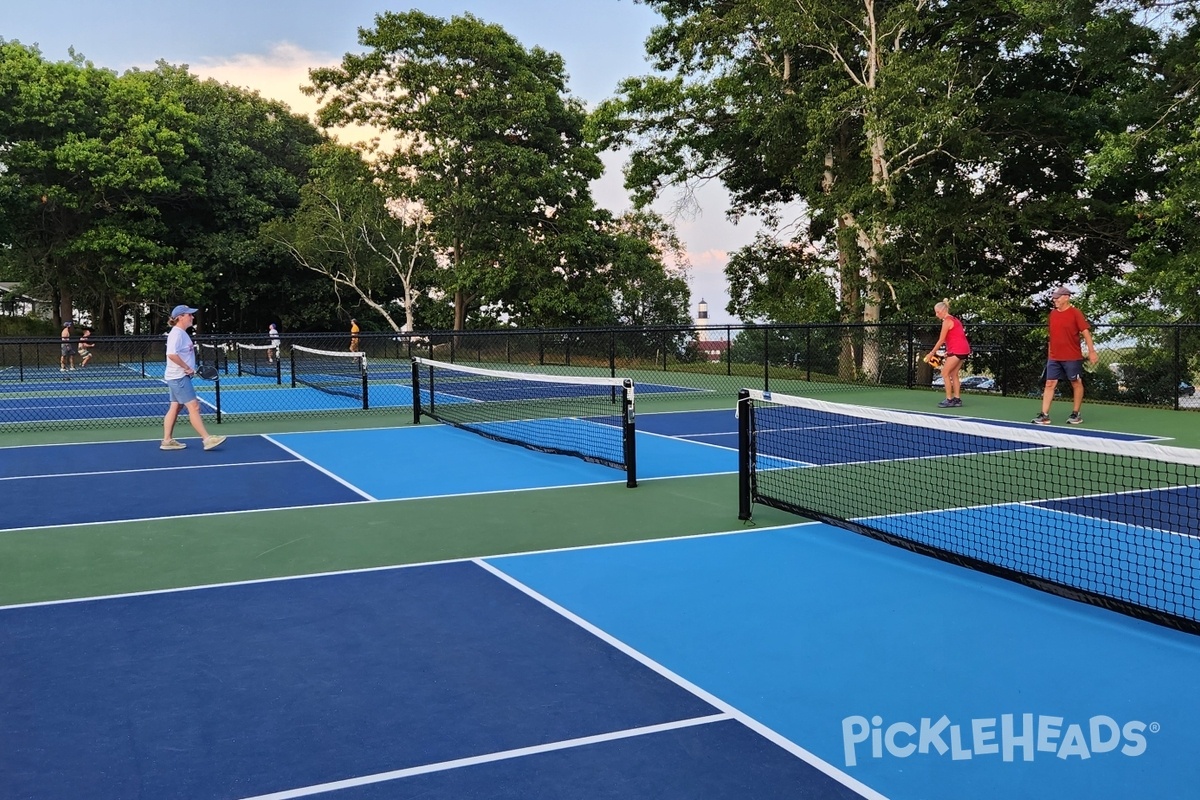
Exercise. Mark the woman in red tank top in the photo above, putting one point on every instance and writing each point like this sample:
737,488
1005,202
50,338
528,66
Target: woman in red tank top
957,349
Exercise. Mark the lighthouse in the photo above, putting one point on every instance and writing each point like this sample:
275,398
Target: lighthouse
702,321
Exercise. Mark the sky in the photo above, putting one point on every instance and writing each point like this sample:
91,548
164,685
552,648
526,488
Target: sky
269,46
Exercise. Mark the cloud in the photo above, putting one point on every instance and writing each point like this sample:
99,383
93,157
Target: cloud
279,74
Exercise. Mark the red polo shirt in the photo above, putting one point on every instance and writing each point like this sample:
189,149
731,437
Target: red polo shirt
1065,327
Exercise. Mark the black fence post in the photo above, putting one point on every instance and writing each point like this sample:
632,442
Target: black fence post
766,359
1176,369
612,354
912,366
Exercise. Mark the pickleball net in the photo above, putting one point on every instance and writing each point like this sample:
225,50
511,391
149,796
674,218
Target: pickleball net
1106,521
335,372
213,355
259,359
588,417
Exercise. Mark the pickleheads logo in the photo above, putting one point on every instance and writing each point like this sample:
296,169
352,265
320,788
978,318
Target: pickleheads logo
1009,737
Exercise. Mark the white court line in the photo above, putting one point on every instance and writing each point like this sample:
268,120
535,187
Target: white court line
135,471
504,755
96,523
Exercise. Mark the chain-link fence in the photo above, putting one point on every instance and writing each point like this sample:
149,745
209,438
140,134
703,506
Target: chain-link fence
117,381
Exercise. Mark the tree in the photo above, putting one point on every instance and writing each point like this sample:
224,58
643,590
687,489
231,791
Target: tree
89,159
251,155
1159,143
923,142
648,283
349,231
493,146
774,282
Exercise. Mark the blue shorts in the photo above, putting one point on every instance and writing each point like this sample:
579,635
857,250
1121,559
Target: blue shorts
1064,370
181,390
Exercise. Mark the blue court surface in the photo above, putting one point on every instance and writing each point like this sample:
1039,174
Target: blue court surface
915,677
794,662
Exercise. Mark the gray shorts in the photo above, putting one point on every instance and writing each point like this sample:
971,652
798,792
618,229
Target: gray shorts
1064,370
181,390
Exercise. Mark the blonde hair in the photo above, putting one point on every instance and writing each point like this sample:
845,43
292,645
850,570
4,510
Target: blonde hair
943,306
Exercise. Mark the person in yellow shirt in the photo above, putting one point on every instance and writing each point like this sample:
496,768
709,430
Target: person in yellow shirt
353,336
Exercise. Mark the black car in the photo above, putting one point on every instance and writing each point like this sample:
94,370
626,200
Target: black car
1186,389
980,382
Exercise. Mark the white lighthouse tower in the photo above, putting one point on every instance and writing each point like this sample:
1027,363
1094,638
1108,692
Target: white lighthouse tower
702,332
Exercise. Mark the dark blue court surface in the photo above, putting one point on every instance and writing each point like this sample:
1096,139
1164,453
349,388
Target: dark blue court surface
72,484
357,680
67,407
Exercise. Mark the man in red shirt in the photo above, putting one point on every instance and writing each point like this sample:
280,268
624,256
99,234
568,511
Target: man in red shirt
1065,359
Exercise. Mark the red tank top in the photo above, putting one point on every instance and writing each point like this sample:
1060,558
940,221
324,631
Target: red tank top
956,338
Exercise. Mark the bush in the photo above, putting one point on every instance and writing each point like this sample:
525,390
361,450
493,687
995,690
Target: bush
20,327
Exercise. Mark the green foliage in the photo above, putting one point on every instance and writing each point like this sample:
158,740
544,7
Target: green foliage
27,326
347,232
948,161
774,282
90,159
249,157
496,155
122,193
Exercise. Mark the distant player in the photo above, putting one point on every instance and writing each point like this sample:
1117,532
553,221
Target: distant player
273,335
954,338
1065,357
85,347
67,359
353,336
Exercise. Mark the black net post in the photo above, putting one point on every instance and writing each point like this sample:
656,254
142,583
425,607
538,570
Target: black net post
292,356
629,434
362,365
416,387
744,456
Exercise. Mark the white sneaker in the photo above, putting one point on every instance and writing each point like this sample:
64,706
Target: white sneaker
171,444
213,441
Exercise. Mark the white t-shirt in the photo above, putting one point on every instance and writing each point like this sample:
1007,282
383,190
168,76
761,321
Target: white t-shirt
274,334
179,343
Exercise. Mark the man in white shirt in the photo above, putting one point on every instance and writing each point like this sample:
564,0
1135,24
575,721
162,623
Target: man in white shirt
181,366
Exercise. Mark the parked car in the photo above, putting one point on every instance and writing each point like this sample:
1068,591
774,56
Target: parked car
1186,389
979,382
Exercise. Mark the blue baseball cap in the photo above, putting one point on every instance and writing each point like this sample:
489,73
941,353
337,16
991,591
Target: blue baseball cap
179,311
